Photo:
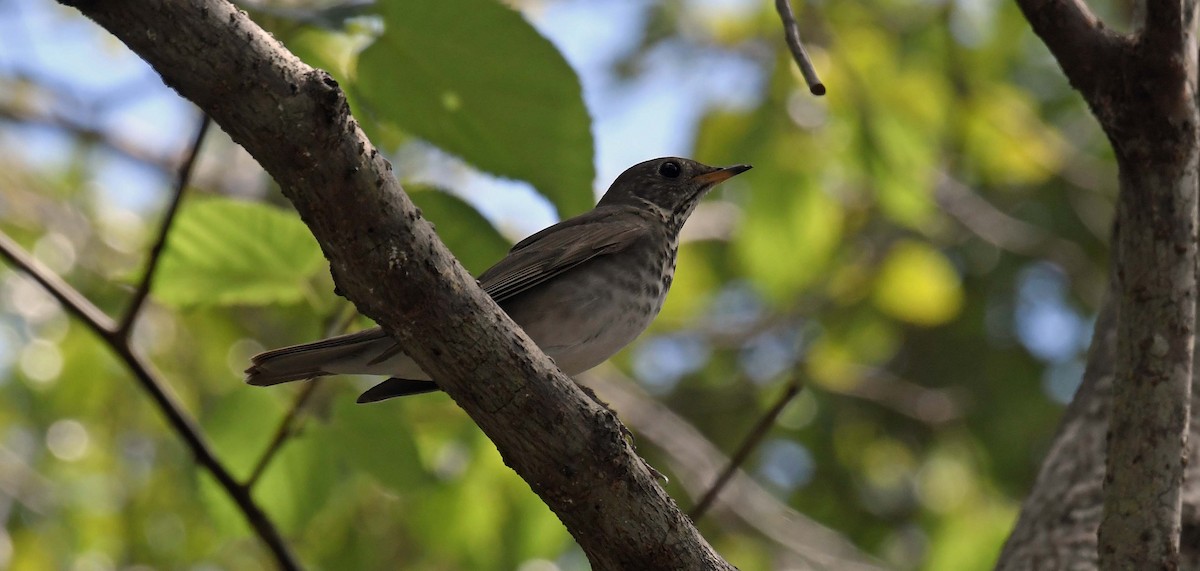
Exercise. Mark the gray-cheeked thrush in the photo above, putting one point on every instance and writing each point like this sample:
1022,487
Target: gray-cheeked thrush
581,289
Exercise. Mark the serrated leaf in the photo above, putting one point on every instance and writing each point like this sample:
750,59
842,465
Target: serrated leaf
227,252
474,241
474,78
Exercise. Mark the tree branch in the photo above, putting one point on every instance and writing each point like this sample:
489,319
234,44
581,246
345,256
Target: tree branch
17,114
287,427
791,34
1155,255
1168,24
1142,90
295,121
151,381
752,440
1079,41
1059,518
156,250
1006,232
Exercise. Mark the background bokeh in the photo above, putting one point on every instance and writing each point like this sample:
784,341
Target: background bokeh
924,248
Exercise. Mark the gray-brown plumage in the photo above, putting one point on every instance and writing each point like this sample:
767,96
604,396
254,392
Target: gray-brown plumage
581,289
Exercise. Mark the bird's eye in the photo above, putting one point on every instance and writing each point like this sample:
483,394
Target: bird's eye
670,169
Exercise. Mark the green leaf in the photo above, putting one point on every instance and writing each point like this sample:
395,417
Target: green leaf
901,167
240,424
226,252
299,481
376,440
474,78
860,339
474,241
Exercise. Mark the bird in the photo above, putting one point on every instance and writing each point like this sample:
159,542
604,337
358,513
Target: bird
582,289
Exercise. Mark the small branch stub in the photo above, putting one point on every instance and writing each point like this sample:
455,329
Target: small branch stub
791,31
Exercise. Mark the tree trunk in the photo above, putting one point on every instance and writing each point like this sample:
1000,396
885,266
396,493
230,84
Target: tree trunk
1119,506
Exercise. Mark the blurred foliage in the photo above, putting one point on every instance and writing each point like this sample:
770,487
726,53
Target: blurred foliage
925,246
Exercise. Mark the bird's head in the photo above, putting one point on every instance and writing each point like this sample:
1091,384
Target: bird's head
671,186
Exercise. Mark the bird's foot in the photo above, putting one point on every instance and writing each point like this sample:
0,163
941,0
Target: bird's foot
654,472
625,432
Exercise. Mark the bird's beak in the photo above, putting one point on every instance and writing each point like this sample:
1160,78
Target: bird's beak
721,175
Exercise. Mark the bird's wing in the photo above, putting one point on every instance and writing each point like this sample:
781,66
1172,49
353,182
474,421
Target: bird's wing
531,262
560,248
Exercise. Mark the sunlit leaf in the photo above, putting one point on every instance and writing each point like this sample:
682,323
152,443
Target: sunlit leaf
901,170
917,284
329,50
226,252
474,78
32,551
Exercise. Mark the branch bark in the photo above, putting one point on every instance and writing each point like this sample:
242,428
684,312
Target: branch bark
1142,89
1059,518
294,120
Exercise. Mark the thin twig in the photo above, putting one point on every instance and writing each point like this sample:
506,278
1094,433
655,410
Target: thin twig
151,381
336,323
71,299
993,225
694,463
287,427
791,32
182,178
748,445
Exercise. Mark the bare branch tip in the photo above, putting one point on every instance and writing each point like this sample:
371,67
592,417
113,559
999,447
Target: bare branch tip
791,34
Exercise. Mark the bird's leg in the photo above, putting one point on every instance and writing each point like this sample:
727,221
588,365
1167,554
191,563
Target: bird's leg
624,431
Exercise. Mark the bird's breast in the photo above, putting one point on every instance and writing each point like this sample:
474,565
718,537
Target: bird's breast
584,316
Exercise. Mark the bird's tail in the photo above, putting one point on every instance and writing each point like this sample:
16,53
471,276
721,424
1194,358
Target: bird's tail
341,354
